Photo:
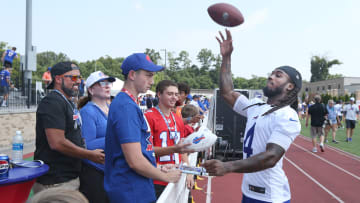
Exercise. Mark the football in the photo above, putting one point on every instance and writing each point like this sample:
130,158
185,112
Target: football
225,14
201,139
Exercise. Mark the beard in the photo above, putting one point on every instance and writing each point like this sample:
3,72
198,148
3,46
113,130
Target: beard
69,92
273,92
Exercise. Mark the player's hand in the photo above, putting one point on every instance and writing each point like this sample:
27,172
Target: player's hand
182,148
196,118
97,156
215,167
226,46
168,167
173,176
190,181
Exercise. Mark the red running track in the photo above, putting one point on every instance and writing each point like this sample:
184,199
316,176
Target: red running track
330,176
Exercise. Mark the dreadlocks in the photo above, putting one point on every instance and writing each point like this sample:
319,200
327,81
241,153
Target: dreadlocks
291,99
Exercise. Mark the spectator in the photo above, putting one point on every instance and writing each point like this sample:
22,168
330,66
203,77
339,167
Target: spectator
332,121
317,112
195,102
351,112
167,129
58,135
5,85
8,57
46,77
184,91
155,101
149,102
94,111
130,165
339,111
82,88
190,115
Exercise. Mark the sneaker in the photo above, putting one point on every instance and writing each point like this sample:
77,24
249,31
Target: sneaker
322,148
350,139
334,141
347,140
314,150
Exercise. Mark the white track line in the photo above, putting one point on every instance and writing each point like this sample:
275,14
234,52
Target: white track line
332,164
347,154
314,180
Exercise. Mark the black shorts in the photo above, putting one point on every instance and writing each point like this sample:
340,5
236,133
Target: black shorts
7,64
350,123
4,90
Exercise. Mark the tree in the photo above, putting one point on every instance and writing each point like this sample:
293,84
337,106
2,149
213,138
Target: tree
320,68
206,58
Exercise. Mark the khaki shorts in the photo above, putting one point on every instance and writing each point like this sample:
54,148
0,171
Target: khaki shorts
73,184
316,131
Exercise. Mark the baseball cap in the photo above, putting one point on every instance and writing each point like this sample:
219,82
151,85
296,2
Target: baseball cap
97,77
49,68
139,61
352,99
59,69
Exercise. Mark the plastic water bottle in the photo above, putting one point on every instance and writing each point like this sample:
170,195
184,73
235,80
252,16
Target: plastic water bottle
17,147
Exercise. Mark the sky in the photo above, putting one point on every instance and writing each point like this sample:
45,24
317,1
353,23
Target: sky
275,32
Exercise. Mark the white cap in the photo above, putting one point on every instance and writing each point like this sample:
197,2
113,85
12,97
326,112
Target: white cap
352,99
96,77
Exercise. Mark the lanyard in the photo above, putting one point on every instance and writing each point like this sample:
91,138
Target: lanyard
167,123
76,114
129,94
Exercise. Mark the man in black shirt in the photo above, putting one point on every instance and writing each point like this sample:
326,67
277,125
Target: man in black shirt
318,114
58,136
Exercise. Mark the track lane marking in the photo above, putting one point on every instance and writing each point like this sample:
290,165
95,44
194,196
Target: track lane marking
347,154
330,163
314,180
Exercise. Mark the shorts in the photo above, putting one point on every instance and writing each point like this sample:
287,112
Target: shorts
7,64
316,131
4,90
350,123
331,122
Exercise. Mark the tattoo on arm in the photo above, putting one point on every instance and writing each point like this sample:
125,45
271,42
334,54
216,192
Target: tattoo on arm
259,162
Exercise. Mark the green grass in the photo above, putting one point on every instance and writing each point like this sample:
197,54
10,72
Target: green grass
351,147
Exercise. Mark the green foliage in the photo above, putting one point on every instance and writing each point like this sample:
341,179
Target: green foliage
320,68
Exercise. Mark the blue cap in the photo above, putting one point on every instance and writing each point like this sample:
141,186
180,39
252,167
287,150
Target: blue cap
139,61
189,96
49,68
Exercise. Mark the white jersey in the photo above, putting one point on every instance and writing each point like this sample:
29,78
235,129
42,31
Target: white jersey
280,127
338,109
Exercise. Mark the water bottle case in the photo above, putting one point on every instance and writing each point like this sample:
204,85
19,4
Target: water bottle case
27,164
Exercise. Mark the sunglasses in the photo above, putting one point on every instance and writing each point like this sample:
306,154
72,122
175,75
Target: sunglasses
73,77
105,83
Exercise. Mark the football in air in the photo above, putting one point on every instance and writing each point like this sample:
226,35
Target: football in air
225,14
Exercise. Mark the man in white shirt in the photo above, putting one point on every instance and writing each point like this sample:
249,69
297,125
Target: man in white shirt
271,128
351,112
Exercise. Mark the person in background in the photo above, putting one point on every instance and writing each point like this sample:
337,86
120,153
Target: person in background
8,57
351,112
58,195
130,165
332,121
167,130
94,111
58,132
339,111
5,85
149,101
190,116
46,77
195,102
184,91
317,112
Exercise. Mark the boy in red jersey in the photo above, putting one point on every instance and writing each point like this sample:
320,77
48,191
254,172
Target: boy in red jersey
167,129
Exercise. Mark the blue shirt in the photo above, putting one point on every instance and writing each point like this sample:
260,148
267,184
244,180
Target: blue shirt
127,124
93,129
201,105
4,74
10,55
331,113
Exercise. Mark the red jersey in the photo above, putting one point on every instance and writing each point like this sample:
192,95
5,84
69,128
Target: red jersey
162,137
188,130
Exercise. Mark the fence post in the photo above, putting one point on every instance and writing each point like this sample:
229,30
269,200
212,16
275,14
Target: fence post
28,93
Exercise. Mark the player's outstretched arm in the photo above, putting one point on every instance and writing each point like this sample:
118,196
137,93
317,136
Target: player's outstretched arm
259,162
142,166
226,83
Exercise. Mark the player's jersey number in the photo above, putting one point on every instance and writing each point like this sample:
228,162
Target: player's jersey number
248,151
164,143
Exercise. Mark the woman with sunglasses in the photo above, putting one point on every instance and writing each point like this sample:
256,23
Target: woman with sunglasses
94,110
